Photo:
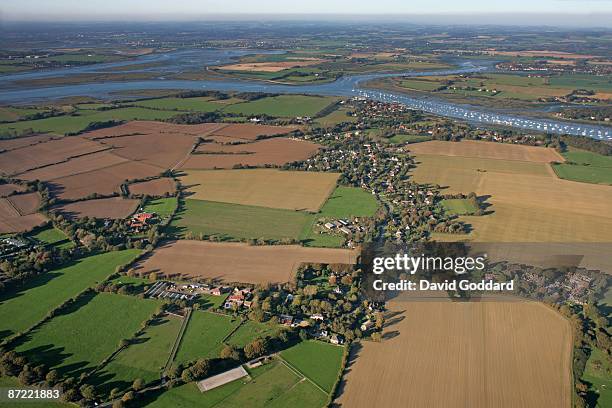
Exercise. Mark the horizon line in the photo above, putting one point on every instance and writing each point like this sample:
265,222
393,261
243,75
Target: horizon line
583,20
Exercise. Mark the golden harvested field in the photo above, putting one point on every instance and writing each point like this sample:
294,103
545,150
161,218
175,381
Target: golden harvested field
529,203
293,190
464,354
276,151
155,187
271,66
489,150
238,262
113,208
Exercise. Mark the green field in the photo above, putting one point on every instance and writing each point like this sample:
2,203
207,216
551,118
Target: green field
87,333
198,104
588,158
601,83
420,84
600,377
9,113
234,221
272,385
76,123
13,383
163,207
586,167
204,335
211,301
83,58
93,106
138,284
145,358
345,202
22,308
53,237
349,202
282,106
509,86
321,362
325,240
400,139
458,206
338,116
249,331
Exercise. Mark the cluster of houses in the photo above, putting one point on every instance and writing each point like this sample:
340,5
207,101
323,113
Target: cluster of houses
576,286
236,298
11,245
141,221
344,226
322,334
551,66
239,298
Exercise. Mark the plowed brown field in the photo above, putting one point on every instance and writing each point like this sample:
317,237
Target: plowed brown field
25,204
156,187
78,165
12,220
113,208
42,154
8,189
144,127
238,262
276,151
501,354
252,131
10,144
103,181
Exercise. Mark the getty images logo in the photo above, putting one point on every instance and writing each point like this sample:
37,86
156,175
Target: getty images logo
414,264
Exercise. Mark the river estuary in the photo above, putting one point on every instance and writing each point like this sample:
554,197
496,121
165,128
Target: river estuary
176,62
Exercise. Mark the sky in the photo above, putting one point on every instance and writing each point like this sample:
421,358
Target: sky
596,11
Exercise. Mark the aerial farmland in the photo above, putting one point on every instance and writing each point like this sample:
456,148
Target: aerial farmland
306,214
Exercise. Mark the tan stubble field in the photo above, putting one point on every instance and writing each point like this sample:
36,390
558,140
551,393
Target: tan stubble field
528,202
469,355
